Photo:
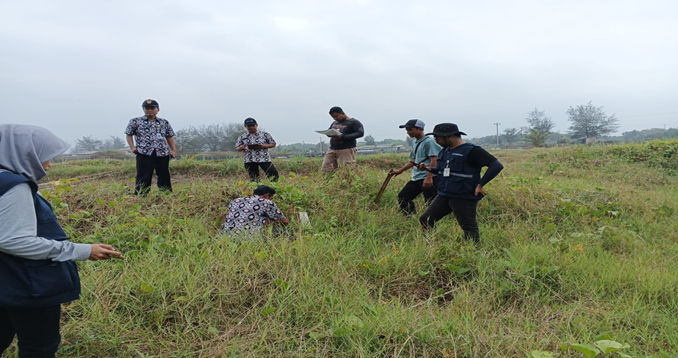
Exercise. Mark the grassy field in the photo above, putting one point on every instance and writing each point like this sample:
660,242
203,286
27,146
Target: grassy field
578,244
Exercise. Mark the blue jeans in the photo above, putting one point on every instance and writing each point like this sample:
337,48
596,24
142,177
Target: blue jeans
36,328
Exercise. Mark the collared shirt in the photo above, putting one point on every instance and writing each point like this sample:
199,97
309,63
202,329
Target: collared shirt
255,155
150,135
250,214
422,151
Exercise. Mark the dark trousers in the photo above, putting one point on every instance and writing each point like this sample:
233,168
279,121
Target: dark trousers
268,168
411,190
146,164
36,328
464,210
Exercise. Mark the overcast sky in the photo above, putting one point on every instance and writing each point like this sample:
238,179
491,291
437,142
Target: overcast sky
84,67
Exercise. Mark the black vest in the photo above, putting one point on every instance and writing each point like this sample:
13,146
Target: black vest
36,283
463,179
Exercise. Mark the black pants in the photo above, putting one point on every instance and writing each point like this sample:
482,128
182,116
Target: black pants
268,168
145,166
411,190
37,330
464,210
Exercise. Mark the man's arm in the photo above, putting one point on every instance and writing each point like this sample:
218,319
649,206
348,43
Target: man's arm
170,141
492,171
358,131
270,142
409,165
428,181
240,144
433,168
274,214
130,142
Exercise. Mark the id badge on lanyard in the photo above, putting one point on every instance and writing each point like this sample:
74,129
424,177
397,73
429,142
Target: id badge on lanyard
446,171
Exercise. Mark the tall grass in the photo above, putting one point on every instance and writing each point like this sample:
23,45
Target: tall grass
576,242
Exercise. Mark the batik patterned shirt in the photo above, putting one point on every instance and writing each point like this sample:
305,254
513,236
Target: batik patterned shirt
150,135
255,155
250,214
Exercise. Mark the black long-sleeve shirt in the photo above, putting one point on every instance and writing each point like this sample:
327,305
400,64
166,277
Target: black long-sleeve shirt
350,129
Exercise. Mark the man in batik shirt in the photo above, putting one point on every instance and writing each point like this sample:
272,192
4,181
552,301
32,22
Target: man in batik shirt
154,147
255,144
246,215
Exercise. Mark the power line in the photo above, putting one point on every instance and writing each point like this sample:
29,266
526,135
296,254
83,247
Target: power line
497,124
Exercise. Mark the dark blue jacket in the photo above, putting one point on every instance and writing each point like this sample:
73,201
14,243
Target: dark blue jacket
463,179
36,283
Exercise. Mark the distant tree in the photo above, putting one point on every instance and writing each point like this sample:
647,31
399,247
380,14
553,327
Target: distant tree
539,121
540,128
486,140
231,133
391,141
369,140
651,133
113,143
211,136
589,121
536,138
560,138
187,141
87,144
511,135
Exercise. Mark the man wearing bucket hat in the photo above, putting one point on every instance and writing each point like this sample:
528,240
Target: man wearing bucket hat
424,150
460,186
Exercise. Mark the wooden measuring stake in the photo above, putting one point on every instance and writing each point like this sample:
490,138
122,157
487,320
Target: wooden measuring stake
383,186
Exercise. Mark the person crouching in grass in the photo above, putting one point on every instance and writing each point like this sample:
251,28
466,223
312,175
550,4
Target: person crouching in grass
249,215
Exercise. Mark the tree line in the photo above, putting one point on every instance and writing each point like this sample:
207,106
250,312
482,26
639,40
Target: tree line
587,121
212,138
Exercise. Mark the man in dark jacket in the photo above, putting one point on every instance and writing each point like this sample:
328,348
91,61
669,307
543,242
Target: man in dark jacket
460,186
342,146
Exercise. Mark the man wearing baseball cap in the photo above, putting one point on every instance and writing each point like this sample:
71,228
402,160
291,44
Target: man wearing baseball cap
460,186
255,144
154,147
424,150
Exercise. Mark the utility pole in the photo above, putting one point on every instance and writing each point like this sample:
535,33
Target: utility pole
497,124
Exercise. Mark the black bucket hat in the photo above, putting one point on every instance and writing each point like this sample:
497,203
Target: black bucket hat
446,129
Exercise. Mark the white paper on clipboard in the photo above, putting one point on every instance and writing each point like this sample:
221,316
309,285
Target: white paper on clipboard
330,132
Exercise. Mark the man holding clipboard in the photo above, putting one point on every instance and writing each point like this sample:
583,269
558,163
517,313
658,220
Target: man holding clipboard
343,134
